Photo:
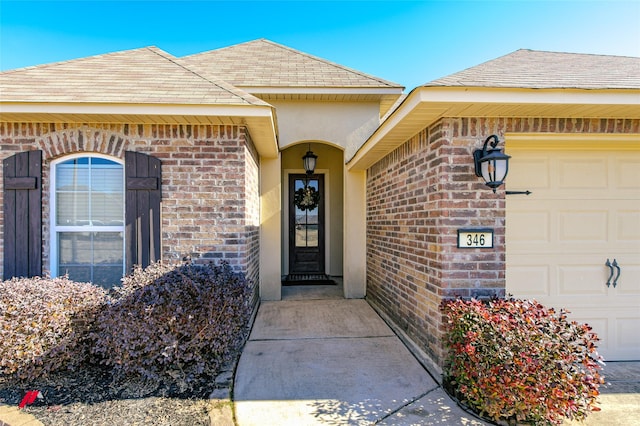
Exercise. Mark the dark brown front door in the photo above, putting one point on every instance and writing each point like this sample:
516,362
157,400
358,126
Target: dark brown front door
306,224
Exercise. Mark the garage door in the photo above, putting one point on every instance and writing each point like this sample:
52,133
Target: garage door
583,212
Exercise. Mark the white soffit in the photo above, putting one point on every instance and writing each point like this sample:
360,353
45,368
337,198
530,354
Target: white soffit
425,105
260,120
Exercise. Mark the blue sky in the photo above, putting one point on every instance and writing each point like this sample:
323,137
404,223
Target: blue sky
408,42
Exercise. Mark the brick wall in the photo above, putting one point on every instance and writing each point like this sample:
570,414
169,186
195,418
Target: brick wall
252,214
418,196
210,198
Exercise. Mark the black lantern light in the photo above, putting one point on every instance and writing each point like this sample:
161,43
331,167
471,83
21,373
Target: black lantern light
309,161
492,165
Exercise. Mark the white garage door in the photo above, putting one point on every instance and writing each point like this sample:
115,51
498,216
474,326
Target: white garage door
584,210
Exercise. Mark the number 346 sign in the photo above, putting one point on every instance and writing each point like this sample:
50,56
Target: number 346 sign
475,238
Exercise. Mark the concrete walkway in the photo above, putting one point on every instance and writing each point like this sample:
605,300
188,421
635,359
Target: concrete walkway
333,361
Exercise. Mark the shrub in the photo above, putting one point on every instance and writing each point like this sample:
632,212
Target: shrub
44,324
178,322
516,361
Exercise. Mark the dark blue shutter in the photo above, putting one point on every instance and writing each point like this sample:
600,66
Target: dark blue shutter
22,197
142,212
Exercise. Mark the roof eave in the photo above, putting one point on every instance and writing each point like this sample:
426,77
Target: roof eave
259,119
426,105
306,90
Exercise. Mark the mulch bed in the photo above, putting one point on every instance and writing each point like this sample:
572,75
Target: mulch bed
90,396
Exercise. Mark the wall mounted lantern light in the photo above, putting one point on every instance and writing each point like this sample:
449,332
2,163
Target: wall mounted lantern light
309,161
492,165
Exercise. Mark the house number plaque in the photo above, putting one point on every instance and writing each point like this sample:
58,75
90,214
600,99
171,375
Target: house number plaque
475,238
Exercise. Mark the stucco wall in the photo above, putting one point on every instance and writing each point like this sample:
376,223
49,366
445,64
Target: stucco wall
346,124
418,196
210,199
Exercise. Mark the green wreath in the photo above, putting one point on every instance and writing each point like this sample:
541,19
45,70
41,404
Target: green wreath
306,198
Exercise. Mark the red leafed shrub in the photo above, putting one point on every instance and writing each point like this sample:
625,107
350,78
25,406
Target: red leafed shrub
173,322
517,361
44,324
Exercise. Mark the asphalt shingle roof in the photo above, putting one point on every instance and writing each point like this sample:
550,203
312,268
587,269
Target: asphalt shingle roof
263,63
549,70
141,76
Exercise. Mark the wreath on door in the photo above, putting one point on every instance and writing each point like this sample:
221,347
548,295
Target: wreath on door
306,198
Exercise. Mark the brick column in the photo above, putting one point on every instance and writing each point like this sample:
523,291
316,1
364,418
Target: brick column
417,199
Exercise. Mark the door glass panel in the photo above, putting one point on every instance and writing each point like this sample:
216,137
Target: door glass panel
306,205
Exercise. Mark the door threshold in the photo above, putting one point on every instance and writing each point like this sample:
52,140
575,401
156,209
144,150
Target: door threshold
307,279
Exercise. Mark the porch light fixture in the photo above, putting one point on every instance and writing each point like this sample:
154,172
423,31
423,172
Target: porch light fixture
492,165
309,161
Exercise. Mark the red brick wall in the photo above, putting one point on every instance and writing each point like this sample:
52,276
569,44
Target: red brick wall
209,181
418,196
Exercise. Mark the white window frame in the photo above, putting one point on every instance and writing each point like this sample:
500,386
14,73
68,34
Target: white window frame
55,229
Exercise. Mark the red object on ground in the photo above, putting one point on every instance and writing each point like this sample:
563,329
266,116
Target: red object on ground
29,398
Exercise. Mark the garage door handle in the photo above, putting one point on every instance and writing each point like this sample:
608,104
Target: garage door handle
615,265
611,270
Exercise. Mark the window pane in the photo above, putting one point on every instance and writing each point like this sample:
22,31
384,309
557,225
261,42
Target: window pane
107,201
72,209
74,248
91,256
107,178
107,209
80,274
107,248
107,276
72,177
89,193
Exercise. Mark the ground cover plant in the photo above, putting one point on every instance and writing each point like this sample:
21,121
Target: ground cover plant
515,361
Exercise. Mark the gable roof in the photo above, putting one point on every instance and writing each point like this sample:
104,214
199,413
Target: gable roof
275,72
144,85
549,70
523,84
263,63
141,76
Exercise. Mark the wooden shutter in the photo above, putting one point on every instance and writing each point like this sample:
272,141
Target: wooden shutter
22,194
142,211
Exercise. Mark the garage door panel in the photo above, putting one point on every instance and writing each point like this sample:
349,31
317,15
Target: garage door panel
627,172
627,337
586,173
529,281
628,226
582,226
593,175
618,333
628,284
584,209
529,227
533,173
581,280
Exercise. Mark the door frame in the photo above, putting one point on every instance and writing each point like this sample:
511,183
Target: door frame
285,217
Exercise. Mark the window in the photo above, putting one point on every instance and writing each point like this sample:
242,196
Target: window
87,219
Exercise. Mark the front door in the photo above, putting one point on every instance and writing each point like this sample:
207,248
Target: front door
306,224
